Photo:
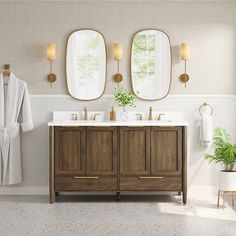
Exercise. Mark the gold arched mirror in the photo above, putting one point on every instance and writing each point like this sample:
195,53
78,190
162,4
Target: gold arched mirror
86,64
151,64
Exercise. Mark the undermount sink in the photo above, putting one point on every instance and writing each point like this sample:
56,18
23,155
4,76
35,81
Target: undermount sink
78,116
69,121
91,121
80,121
149,121
157,116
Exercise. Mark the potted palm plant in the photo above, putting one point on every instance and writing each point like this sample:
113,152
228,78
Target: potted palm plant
224,154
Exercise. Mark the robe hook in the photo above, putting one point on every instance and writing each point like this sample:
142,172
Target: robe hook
6,66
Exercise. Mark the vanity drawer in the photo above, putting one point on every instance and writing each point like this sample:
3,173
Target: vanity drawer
85,183
151,183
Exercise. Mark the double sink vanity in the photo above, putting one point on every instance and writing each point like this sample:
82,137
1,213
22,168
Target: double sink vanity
88,152
117,156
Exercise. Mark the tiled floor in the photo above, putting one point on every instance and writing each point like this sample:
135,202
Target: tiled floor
101,215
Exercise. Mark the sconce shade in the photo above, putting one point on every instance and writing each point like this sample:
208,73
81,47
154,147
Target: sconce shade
51,51
118,51
184,51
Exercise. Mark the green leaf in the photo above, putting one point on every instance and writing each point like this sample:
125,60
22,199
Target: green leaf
124,97
225,152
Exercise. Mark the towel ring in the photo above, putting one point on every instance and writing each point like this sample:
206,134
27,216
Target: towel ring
204,105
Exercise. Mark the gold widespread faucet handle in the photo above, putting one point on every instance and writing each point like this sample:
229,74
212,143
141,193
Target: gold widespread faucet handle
75,116
95,115
140,116
160,115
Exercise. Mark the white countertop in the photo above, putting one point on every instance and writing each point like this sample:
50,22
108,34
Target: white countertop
117,123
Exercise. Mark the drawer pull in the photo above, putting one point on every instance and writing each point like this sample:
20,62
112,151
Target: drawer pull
151,177
85,177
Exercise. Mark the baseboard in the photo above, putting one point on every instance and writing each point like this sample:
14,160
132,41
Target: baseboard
201,191
22,190
193,191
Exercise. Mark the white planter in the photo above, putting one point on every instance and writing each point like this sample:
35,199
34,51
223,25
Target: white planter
227,181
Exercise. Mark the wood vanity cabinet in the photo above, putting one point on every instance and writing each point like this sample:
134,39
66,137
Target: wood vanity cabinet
118,159
134,151
69,151
85,159
101,151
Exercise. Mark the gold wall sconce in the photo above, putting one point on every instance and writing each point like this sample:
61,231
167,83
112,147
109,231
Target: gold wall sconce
184,55
118,57
51,56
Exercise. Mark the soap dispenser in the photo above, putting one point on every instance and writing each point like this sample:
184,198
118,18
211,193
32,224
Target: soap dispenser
112,114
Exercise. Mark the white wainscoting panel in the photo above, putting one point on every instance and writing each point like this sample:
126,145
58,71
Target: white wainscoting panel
35,144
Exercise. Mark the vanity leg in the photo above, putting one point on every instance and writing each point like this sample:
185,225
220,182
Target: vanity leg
184,196
117,196
184,183
52,197
51,166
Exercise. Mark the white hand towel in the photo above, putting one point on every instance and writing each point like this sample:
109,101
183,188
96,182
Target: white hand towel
206,130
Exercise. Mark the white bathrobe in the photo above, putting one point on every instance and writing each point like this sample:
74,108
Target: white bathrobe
15,111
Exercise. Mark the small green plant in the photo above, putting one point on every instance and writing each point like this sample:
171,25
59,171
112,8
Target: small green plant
124,97
225,152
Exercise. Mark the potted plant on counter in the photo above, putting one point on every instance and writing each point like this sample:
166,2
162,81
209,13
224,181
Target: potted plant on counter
224,154
123,98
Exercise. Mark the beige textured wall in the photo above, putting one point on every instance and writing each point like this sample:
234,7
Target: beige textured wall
209,28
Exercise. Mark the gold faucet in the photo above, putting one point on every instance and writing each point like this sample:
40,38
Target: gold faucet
140,116
160,115
85,114
75,117
150,113
95,115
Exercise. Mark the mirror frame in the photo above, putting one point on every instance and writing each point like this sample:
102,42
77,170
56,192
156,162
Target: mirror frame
105,64
144,99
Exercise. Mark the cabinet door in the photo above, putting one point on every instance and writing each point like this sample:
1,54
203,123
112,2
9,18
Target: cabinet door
166,150
135,150
101,158
70,150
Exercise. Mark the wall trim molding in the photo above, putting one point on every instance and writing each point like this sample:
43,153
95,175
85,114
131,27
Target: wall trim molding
24,190
193,191
201,191
170,96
